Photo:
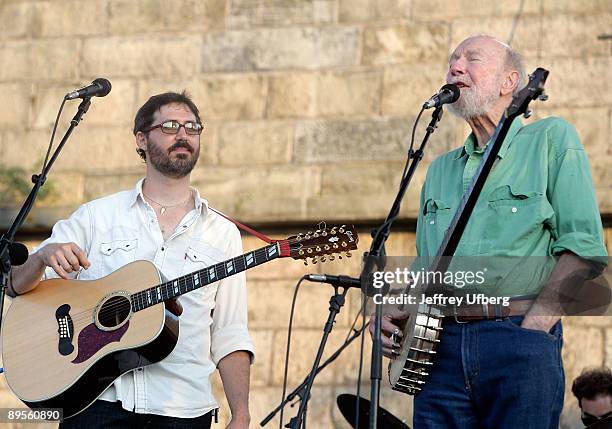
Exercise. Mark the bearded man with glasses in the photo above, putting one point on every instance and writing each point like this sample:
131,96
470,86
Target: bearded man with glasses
163,220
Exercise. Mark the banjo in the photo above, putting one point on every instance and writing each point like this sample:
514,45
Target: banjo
423,330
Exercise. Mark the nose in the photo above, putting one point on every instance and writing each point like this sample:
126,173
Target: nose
457,67
182,134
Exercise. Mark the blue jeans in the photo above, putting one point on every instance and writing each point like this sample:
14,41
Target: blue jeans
493,374
110,415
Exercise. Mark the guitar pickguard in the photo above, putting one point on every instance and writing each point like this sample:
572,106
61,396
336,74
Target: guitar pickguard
91,339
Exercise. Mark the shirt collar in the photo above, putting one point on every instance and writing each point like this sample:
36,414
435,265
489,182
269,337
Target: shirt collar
201,205
469,146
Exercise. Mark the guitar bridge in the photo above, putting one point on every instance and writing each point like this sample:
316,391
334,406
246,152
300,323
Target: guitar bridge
65,329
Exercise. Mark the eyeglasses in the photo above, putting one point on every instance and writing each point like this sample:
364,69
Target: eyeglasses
173,127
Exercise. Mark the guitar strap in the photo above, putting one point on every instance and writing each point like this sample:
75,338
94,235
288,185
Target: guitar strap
245,228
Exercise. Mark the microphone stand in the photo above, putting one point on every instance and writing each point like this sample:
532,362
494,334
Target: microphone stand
299,391
39,180
376,258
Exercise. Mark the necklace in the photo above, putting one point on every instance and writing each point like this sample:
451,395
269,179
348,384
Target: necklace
164,207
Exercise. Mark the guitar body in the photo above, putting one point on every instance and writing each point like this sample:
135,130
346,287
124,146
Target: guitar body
66,341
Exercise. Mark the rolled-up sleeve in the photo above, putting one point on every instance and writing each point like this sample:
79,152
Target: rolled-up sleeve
229,332
577,223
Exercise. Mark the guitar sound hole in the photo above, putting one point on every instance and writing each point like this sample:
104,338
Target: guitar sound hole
114,311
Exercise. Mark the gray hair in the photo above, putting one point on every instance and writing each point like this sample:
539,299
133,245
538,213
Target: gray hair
514,61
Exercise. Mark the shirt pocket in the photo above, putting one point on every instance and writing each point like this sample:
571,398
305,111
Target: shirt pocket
515,216
114,254
198,257
437,217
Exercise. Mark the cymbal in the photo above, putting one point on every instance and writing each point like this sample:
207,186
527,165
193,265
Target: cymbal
386,420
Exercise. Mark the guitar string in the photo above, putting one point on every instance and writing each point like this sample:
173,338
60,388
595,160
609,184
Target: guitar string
115,307
87,316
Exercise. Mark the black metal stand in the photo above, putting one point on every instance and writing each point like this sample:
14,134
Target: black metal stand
6,241
335,303
375,258
299,391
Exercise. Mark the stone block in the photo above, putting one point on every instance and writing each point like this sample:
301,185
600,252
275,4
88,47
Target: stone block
144,16
526,39
279,13
42,61
575,36
222,97
407,43
348,94
261,370
46,100
304,345
582,7
15,99
116,110
568,88
366,139
576,341
141,56
231,97
588,321
292,95
16,19
592,125
24,148
407,87
371,10
324,11
263,194
70,18
100,185
270,304
449,11
281,48
209,144
248,143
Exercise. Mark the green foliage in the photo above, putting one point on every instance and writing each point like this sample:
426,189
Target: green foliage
15,185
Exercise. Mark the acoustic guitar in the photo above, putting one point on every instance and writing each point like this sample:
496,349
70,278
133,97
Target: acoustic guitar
66,341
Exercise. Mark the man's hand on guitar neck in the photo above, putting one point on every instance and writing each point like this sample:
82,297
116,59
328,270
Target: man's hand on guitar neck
391,332
64,258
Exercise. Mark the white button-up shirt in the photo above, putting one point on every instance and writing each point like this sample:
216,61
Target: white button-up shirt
122,228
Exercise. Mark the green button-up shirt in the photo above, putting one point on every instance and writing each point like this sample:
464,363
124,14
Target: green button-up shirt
537,201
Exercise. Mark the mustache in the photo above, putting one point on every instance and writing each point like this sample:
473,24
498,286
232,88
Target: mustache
181,144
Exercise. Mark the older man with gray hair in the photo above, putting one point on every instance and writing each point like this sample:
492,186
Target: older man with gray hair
492,371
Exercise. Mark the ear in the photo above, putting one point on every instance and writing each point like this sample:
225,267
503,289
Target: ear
510,83
141,140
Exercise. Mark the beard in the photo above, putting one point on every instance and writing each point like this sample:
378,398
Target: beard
475,101
178,167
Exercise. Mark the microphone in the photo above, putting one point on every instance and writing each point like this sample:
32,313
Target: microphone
98,88
18,253
344,281
449,93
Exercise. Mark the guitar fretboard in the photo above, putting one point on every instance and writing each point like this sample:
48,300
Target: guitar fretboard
189,282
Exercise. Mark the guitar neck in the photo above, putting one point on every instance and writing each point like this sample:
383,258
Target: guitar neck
189,282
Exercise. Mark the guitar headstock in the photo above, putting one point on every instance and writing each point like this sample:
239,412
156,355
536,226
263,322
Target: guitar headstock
317,245
534,89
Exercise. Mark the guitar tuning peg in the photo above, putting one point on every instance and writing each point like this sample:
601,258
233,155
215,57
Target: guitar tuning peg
527,113
339,256
322,259
348,254
543,97
332,257
313,260
306,262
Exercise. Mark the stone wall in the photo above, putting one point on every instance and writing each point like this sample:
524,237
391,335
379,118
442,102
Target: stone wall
308,105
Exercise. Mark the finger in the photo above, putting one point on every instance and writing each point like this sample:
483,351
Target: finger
81,255
72,259
58,268
391,328
63,262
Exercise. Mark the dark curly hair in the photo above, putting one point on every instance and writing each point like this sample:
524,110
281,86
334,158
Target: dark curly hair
593,383
144,116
